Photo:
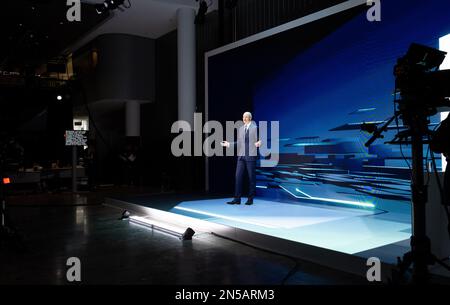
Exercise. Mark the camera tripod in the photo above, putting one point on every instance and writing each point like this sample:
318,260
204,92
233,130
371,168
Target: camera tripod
420,256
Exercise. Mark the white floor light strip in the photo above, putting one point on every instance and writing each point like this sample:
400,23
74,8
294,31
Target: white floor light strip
163,227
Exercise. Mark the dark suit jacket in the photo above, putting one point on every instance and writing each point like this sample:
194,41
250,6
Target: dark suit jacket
252,150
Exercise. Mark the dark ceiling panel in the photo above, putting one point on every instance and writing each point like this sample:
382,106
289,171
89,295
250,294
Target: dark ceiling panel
34,31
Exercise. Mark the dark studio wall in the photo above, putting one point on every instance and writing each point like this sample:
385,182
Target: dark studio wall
117,67
37,121
247,18
157,117
109,71
159,168
254,16
126,67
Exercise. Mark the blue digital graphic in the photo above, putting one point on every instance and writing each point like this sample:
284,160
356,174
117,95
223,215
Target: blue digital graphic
323,95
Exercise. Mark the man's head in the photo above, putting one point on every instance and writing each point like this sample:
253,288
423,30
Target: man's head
247,117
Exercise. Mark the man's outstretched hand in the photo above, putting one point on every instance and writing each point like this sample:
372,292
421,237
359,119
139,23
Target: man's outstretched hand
227,144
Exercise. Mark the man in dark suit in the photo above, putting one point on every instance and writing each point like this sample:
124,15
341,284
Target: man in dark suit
247,150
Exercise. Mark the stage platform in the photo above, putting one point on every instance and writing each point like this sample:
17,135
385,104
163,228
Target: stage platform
338,237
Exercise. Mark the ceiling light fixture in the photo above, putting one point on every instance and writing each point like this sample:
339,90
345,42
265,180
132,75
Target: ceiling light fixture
202,10
109,5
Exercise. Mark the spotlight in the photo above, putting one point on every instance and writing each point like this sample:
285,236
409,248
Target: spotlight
113,4
202,10
108,5
125,215
187,235
101,8
59,97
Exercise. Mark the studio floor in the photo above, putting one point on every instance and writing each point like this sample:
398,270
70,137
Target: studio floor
55,227
382,231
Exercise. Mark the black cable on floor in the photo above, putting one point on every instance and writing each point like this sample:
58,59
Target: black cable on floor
294,259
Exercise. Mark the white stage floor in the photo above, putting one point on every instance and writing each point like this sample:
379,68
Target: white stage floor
347,230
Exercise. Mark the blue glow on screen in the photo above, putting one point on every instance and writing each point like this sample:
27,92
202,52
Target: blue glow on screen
348,70
345,78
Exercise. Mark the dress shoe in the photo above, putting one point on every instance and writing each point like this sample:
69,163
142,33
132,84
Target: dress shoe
234,201
249,202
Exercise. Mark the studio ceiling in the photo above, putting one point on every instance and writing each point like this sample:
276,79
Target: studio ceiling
34,31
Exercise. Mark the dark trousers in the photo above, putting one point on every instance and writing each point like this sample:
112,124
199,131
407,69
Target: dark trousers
241,167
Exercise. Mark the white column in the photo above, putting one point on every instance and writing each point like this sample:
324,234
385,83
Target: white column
186,64
132,118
